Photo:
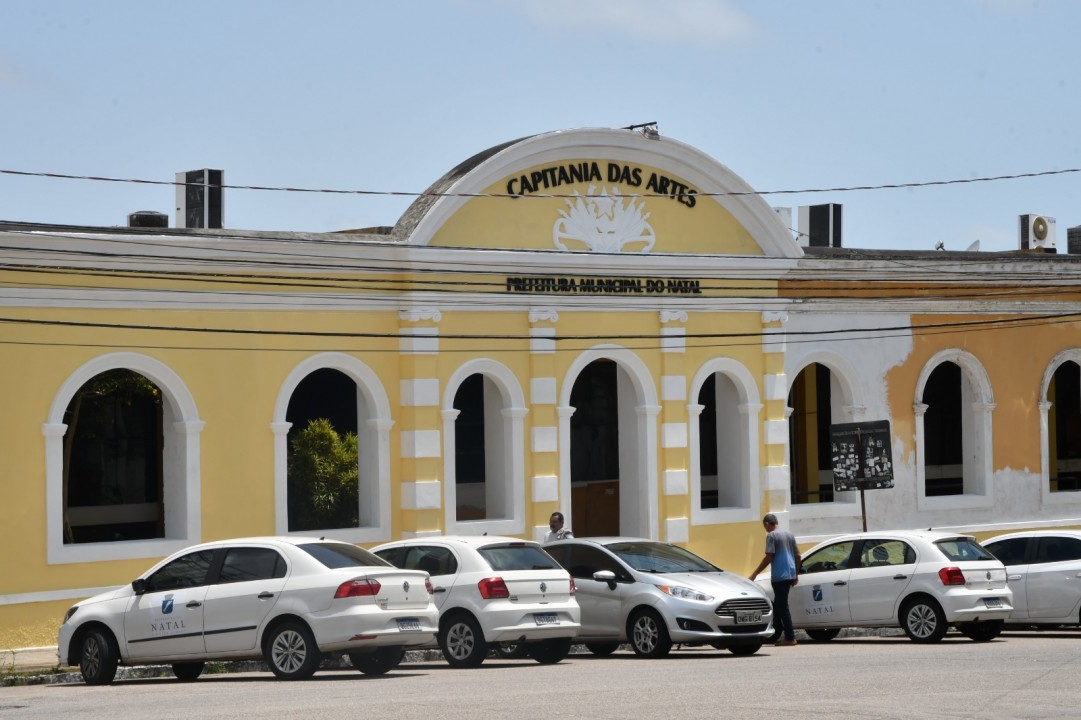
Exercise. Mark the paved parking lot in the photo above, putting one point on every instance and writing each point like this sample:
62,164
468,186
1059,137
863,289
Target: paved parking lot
1023,675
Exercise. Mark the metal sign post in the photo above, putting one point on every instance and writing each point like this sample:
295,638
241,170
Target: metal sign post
862,458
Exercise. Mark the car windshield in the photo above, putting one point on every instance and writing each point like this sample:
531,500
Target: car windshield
517,557
963,548
340,555
657,557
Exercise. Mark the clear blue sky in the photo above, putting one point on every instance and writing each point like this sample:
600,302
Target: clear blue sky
387,96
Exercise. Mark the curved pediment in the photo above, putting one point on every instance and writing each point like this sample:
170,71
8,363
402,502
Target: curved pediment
596,190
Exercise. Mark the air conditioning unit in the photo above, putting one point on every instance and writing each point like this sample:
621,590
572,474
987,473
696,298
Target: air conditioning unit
1036,232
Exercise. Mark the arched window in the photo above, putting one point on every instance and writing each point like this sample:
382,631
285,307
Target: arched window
953,433
122,462
723,441
1060,428
336,406
484,455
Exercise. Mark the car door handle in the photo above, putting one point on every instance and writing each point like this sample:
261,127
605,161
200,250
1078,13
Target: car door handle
900,577
839,583
194,604
440,589
1013,577
265,595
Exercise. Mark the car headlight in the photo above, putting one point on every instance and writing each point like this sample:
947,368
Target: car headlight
685,593
69,613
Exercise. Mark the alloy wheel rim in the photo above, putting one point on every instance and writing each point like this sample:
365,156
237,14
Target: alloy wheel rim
460,641
289,651
922,620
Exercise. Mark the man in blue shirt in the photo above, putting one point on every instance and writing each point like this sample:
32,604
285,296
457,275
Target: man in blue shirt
782,555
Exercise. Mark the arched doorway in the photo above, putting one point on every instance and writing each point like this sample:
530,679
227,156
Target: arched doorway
608,426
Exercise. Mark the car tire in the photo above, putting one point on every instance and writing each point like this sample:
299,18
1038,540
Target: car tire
188,671
462,641
602,648
512,651
648,634
982,631
549,652
291,652
98,657
923,620
379,661
823,634
745,649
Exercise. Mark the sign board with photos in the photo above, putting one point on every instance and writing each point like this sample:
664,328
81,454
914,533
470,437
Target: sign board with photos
862,456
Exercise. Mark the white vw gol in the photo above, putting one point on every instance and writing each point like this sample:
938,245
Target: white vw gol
286,599
922,581
493,591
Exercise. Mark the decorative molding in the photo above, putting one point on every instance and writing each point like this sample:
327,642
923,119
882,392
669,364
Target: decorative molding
537,315
419,314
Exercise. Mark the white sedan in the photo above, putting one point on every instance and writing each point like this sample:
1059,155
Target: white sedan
493,591
286,599
1044,571
922,581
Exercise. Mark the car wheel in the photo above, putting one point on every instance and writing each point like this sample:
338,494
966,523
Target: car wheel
379,661
648,635
98,657
923,620
823,634
549,652
462,641
188,671
745,649
982,631
602,648
291,652
512,651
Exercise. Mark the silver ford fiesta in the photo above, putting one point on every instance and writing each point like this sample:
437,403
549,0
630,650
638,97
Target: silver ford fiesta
653,594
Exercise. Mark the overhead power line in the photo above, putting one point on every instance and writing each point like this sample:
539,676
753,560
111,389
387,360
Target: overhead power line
401,193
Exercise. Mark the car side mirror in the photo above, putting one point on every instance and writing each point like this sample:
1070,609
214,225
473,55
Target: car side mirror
139,586
606,576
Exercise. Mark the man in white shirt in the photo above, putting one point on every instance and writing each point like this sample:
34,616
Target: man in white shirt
556,530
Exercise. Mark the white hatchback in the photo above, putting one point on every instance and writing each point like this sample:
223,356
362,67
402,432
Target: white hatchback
493,591
1044,571
922,581
288,600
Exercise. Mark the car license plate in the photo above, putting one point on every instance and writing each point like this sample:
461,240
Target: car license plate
992,602
545,618
748,618
408,624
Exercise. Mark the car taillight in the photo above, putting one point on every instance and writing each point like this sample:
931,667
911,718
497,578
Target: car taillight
951,576
428,586
494,587
357,587
574,588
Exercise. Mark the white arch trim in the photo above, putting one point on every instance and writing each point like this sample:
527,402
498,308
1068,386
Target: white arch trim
978,437
750,467
645,522
182,491
373,435
514,411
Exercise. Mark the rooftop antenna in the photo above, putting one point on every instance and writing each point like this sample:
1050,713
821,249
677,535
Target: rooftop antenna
648,129
940,245
974,247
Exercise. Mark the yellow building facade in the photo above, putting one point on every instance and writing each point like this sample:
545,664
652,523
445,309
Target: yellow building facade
607,323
